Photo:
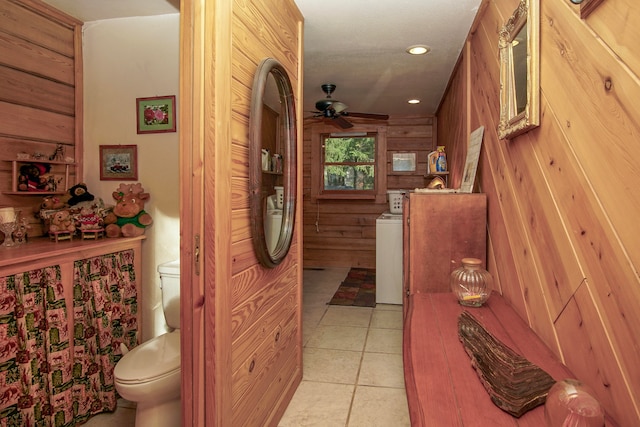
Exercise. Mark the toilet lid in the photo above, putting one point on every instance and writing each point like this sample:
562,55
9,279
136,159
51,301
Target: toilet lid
150,360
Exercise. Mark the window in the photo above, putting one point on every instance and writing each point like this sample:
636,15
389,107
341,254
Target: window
349,163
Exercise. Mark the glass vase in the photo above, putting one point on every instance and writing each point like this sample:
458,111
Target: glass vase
471,283
570,403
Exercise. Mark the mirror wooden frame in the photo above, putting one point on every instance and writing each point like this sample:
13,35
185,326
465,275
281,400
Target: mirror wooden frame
271,67
513,120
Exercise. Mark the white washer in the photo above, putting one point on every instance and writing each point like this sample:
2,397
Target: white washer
389,259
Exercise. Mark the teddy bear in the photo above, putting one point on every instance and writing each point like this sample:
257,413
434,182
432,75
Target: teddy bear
79,193
62,221
51,203
33,177
87,219
128,217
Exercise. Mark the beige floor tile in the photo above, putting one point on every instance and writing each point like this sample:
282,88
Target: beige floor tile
384,341
382,370
121,417
386,319
351,316
315,300
318,404
379,407
331,366
338,338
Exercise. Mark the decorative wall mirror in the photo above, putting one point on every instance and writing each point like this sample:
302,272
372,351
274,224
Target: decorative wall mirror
272,163
519,71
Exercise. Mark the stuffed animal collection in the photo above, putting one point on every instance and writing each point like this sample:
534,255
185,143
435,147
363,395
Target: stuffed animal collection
80,211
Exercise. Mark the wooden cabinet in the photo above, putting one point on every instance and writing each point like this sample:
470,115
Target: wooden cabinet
440,230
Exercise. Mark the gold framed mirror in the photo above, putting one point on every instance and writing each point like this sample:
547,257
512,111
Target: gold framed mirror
272,162
519,47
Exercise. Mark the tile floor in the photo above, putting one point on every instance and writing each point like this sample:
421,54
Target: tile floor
352,372
352,361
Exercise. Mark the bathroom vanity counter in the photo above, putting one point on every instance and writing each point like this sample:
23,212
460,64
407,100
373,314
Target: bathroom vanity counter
41,252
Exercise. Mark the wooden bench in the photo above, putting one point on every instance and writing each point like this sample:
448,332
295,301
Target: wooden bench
442,387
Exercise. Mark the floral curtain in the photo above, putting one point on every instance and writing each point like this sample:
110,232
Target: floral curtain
35,368
44,381
104,312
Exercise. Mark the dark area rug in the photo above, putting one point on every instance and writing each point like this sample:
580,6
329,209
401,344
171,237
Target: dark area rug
358,289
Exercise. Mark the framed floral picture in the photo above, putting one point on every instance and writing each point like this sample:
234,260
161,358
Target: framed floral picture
118,162
156,114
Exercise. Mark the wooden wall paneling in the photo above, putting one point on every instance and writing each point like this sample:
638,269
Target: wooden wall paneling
484,93
452,129
569,183
36,59
276,334
611,117
43,125
580,327
617,31
17,87
257,295
40,23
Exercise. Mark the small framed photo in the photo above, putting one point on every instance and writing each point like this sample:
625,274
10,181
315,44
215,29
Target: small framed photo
156,114
404,162
119,162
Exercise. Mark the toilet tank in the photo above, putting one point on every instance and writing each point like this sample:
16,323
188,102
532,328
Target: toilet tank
170,285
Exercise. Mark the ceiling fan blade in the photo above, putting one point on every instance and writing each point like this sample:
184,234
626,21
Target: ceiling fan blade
367,115
342,122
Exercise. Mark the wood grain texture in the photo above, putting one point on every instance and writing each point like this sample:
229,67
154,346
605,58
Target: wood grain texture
562,232
442,387
242,374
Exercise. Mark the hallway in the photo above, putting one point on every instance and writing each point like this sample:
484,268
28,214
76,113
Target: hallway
352,361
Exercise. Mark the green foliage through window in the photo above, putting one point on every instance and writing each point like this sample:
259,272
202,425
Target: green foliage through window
349,163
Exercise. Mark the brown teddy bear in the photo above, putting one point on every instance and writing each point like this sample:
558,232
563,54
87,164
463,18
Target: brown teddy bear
62,221
128,217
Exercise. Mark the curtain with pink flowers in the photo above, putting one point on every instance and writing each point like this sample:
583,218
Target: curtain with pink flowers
105,307
35,360
43,380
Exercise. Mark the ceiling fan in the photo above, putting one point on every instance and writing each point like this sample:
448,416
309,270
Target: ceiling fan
333,111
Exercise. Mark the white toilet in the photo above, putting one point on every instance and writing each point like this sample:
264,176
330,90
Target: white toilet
150,373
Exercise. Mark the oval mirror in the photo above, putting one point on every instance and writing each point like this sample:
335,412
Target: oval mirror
272,162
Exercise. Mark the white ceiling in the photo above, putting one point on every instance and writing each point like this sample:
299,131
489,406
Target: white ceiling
358,45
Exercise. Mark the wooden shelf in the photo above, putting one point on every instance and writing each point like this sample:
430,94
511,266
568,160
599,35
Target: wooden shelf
15,173
33,193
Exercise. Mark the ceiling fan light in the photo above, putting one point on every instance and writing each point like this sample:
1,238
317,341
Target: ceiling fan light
418,49
414,101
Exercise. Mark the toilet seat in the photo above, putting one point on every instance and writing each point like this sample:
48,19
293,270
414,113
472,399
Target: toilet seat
150,361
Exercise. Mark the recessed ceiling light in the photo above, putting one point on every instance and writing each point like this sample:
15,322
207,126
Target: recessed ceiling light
418,49
414,101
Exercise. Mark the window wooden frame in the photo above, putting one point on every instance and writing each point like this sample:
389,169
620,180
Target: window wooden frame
317,182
